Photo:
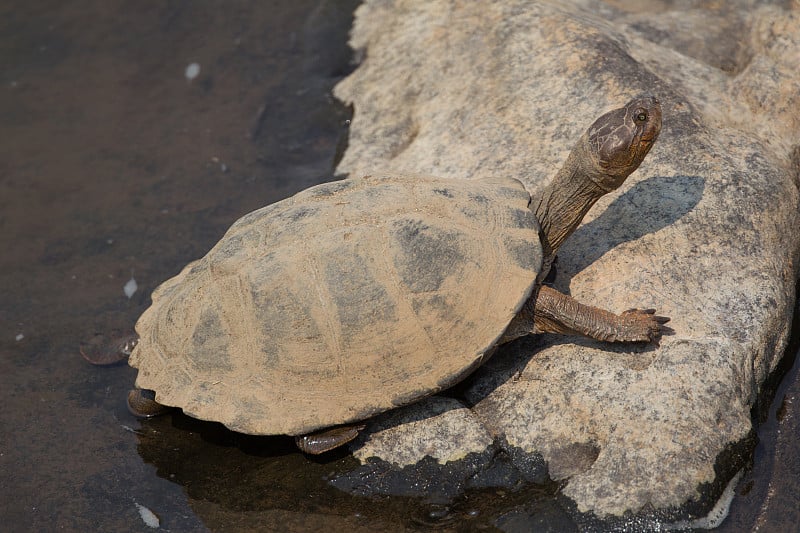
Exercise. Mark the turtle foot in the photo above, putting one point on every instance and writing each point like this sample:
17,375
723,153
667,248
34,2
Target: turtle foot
643,325
142,404
329,439
102,350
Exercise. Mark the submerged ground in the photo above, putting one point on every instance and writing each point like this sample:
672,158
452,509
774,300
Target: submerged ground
114,165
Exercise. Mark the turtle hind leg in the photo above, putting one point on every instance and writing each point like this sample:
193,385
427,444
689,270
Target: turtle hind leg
558,313
326,440
142,404
101,350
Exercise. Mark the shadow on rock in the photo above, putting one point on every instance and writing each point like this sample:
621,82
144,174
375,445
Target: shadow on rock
647,207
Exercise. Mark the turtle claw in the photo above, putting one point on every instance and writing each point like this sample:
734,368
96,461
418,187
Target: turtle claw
102,351
652,325
649,311
128,343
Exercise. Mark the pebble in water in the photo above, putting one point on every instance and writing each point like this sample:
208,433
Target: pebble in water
130,287
148,516
192,71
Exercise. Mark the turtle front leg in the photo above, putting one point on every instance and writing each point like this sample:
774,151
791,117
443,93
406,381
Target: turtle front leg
326,440
558,313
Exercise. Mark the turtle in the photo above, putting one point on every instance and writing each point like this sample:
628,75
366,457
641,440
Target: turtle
361,295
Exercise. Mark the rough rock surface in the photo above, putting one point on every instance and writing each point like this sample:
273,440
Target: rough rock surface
706,231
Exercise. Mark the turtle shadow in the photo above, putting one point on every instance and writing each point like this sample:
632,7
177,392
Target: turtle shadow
647,207
510,361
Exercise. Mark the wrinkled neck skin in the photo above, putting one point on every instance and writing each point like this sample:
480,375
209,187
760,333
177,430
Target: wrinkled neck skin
566,200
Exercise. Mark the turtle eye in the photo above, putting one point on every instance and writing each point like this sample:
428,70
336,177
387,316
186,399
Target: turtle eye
641,115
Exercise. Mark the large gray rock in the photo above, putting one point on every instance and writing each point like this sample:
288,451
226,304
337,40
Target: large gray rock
706,231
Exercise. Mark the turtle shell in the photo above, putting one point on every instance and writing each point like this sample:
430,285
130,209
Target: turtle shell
343,301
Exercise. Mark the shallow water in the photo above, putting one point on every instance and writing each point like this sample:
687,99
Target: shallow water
113,165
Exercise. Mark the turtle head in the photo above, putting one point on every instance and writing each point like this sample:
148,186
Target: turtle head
618,141
604,156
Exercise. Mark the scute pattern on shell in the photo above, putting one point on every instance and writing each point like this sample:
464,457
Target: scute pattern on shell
346,300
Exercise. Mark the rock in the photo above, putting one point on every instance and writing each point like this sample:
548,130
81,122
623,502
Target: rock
705,231
450,433
426,441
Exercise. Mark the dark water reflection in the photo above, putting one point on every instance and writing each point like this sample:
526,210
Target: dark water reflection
112,165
